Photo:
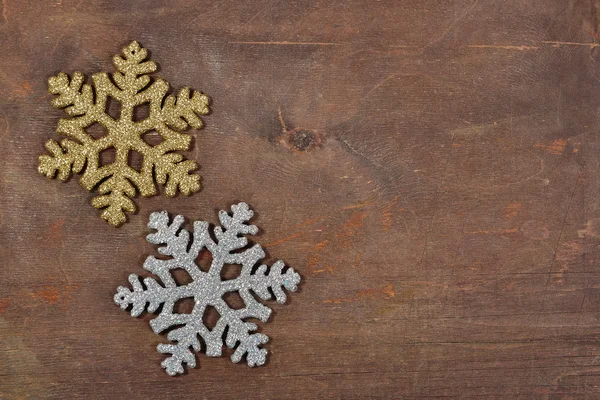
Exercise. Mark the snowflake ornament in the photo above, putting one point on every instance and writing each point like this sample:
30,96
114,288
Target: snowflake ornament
207,288
87,104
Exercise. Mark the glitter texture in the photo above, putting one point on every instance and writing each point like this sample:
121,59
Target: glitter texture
87,105
207,288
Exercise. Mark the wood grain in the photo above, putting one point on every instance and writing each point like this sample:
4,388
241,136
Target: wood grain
430,168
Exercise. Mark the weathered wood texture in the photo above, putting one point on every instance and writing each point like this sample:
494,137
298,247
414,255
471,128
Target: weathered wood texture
430,167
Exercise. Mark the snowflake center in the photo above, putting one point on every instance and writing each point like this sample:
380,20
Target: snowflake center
205,290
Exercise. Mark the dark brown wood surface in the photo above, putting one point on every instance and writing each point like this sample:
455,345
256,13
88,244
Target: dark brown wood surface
431,168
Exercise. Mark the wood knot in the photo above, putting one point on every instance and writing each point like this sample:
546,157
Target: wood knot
301,140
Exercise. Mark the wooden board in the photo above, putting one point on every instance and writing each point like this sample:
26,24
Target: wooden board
430,168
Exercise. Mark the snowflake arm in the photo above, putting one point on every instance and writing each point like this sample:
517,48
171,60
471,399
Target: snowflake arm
78,101
249,343
151,298
177,242
64,157
239,333
180,352
132,70
275,280
74,96
229,239
207,289
86,104
141,298
185,109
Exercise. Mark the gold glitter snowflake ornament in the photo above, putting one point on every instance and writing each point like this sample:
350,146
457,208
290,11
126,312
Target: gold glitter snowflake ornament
87,104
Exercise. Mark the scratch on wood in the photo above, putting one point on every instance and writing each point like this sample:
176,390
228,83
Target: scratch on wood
360,154
558,103
387,291
306,223
377,86
555,44
326,268
452,25
556,148
359,205
351,228
201,16
595,5
388,215
283,240
295,235
354,223
241,26
569,253
62,35
582,372
558,44
555,255
55,231
54,294
591,229
281,120
6,129
23,90
493,232
4,13
512,210
313,258
321,245
286,43
51,294
3,304
506,47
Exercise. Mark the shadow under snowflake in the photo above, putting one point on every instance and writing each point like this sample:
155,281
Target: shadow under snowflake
207,288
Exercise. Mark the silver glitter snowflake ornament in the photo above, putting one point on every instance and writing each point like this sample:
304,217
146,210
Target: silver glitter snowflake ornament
207,288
